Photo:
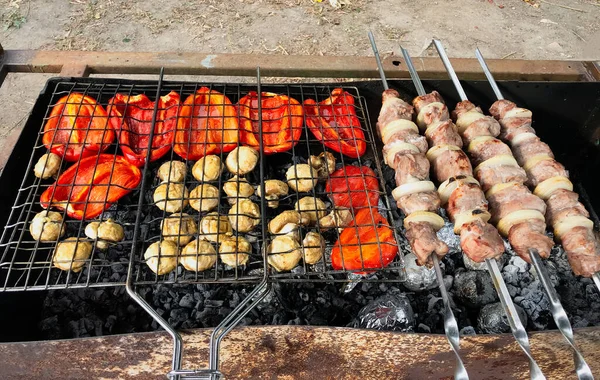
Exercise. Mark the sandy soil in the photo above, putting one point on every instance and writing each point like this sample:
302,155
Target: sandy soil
533,29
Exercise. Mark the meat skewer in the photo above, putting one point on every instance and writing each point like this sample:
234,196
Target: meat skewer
405,152
537,160
465,202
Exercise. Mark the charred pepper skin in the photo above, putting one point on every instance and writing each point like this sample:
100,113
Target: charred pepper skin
77,127
282,119
131,119
368,243
334,122
207,124
91,185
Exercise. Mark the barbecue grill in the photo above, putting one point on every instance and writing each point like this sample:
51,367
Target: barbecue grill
27,264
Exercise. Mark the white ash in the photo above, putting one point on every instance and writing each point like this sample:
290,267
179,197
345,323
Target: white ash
418,278
493,320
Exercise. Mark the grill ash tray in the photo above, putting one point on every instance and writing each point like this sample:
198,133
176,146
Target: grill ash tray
567,117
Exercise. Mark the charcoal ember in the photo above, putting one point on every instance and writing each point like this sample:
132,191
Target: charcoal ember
493,320
536,305
50,327
418,277
423,328
187,301
474,288
178,316
390,312
472,265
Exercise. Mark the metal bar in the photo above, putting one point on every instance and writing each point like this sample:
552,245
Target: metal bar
488,74
413,72
191,63
378,60
560,316
513,318
177,341
450,324
446,61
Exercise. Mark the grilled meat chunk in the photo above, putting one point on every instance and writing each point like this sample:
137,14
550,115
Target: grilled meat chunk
485,150
445,134
544,170
563,200
424,201
493,175
530,234
513,198
480,241
583,251
451,163
486,126
424,241
393,108
421,101
528,149
408,136
411,168
464,106
500,107
513,127
466,197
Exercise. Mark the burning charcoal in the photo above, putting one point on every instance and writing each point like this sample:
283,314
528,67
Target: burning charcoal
423,328
474,288
537,306
493,320
418,278
390,312
187,301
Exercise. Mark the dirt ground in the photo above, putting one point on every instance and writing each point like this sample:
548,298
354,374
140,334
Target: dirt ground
531,29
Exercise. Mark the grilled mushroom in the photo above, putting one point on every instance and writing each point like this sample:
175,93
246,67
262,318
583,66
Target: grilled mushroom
237,188
172,171
198,256
178,228
71,254
274,189
284,253
313,247
161,257
241,160
324,163
302,177
208,168
235,251
105,233
312,207
204,197
288,223
47,226
338,218
215,227
244,215
171,197
47,166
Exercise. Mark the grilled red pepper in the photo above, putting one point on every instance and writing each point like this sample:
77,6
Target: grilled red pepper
354,187
77,127
334,122
131,118
91,185
282,119
369,243
207,124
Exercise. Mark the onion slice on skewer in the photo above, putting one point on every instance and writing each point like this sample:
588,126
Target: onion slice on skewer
468,118
518,112
394,126
468,217
433,219
391,149
532,161
567,224
506,223
435,151
447,187
411,188
545,189
425,110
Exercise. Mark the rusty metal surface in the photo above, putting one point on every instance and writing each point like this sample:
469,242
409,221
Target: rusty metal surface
190,63
286,352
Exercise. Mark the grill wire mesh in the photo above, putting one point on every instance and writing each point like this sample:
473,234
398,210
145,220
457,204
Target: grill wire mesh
27,264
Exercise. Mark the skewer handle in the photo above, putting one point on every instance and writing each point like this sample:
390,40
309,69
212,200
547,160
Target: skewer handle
450,325
378,59
450,69
513,318
488,75
414,75
560,316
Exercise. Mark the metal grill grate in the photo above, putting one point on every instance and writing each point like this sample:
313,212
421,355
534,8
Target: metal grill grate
26,264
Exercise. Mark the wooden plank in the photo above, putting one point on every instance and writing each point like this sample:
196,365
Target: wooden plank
190,63
288,352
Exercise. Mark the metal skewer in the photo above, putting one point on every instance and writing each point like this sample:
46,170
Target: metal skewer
509,308
450,325
558,312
